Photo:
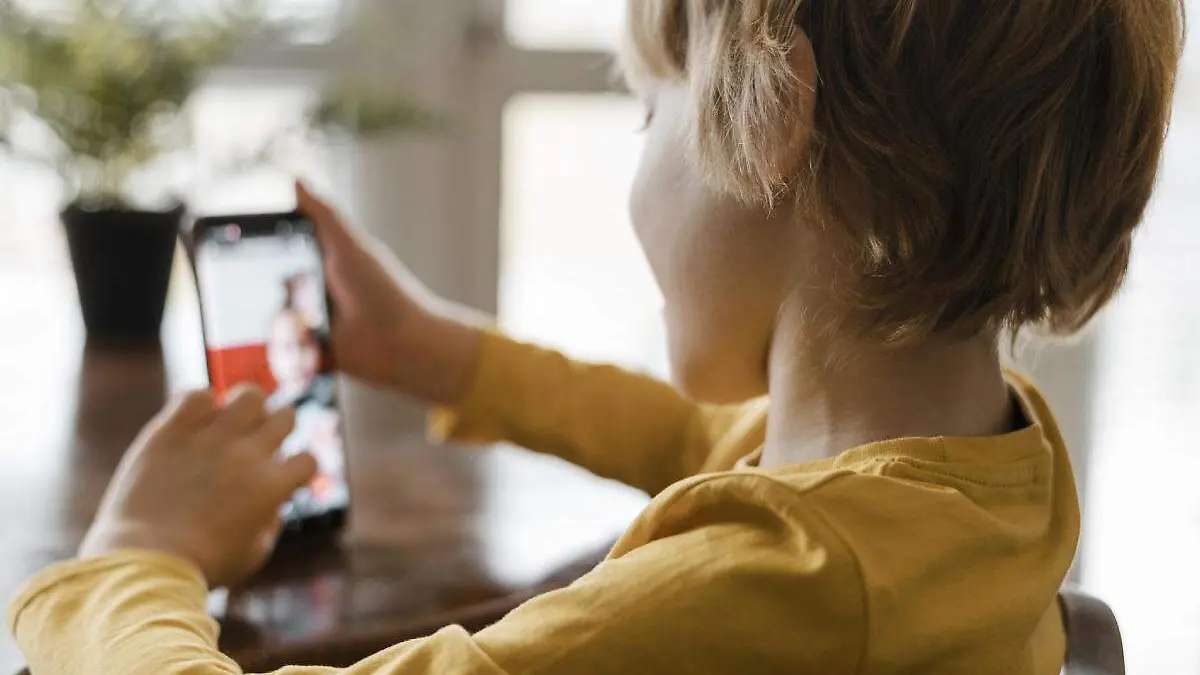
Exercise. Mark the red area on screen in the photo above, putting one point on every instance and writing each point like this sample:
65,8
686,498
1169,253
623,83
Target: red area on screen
232,366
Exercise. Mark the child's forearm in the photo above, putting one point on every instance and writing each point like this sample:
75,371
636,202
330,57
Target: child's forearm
140,613
124,613
448,341
613,422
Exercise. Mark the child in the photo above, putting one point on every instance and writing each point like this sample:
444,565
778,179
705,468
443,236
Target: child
305,295
847,205
294,357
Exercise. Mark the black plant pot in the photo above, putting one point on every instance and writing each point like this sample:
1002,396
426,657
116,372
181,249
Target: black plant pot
122,261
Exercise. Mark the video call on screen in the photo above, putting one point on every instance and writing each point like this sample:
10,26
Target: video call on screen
266,322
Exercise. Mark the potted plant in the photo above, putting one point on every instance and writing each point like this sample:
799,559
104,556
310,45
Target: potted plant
110,81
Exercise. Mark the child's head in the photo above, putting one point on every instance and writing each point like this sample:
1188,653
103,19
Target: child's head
891,171
293,352
306,296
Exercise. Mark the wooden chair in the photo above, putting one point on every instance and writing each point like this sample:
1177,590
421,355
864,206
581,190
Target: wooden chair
1093,637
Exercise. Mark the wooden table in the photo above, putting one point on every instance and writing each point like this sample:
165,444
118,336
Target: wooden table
438,535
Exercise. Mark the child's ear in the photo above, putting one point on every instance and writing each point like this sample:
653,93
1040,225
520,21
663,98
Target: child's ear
754,106
804,65
803,62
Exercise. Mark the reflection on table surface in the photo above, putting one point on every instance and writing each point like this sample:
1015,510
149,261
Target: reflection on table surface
437,535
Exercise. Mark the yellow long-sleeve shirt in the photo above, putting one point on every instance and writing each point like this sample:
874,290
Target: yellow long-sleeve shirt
936,555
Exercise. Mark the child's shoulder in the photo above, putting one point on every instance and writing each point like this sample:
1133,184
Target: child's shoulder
899,536
922,499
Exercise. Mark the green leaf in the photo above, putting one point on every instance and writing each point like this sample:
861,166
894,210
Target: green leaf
361,114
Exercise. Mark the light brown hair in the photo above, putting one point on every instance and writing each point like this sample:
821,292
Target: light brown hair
1002,152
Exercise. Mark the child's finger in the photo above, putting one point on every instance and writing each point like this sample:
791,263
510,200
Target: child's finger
195,408
295,472
275,430
329,225
245,409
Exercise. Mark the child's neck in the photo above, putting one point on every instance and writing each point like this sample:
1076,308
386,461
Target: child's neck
941,388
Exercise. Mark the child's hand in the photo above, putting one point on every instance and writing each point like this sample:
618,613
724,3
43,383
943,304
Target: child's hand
388,329
203,483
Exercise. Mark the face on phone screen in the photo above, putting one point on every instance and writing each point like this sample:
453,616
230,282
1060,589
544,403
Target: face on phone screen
266,322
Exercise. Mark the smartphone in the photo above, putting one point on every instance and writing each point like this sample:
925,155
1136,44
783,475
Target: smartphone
266,317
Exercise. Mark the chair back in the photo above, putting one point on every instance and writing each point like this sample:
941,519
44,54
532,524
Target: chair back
1093,637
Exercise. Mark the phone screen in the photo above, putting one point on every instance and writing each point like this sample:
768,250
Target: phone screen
266,322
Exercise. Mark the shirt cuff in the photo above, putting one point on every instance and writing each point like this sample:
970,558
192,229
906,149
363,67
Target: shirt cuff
63,572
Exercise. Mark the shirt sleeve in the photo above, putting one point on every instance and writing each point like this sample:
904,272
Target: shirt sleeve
718,590
615,423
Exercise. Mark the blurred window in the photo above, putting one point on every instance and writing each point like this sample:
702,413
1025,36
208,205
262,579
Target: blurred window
572,274
565,24
1143,505
316,21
